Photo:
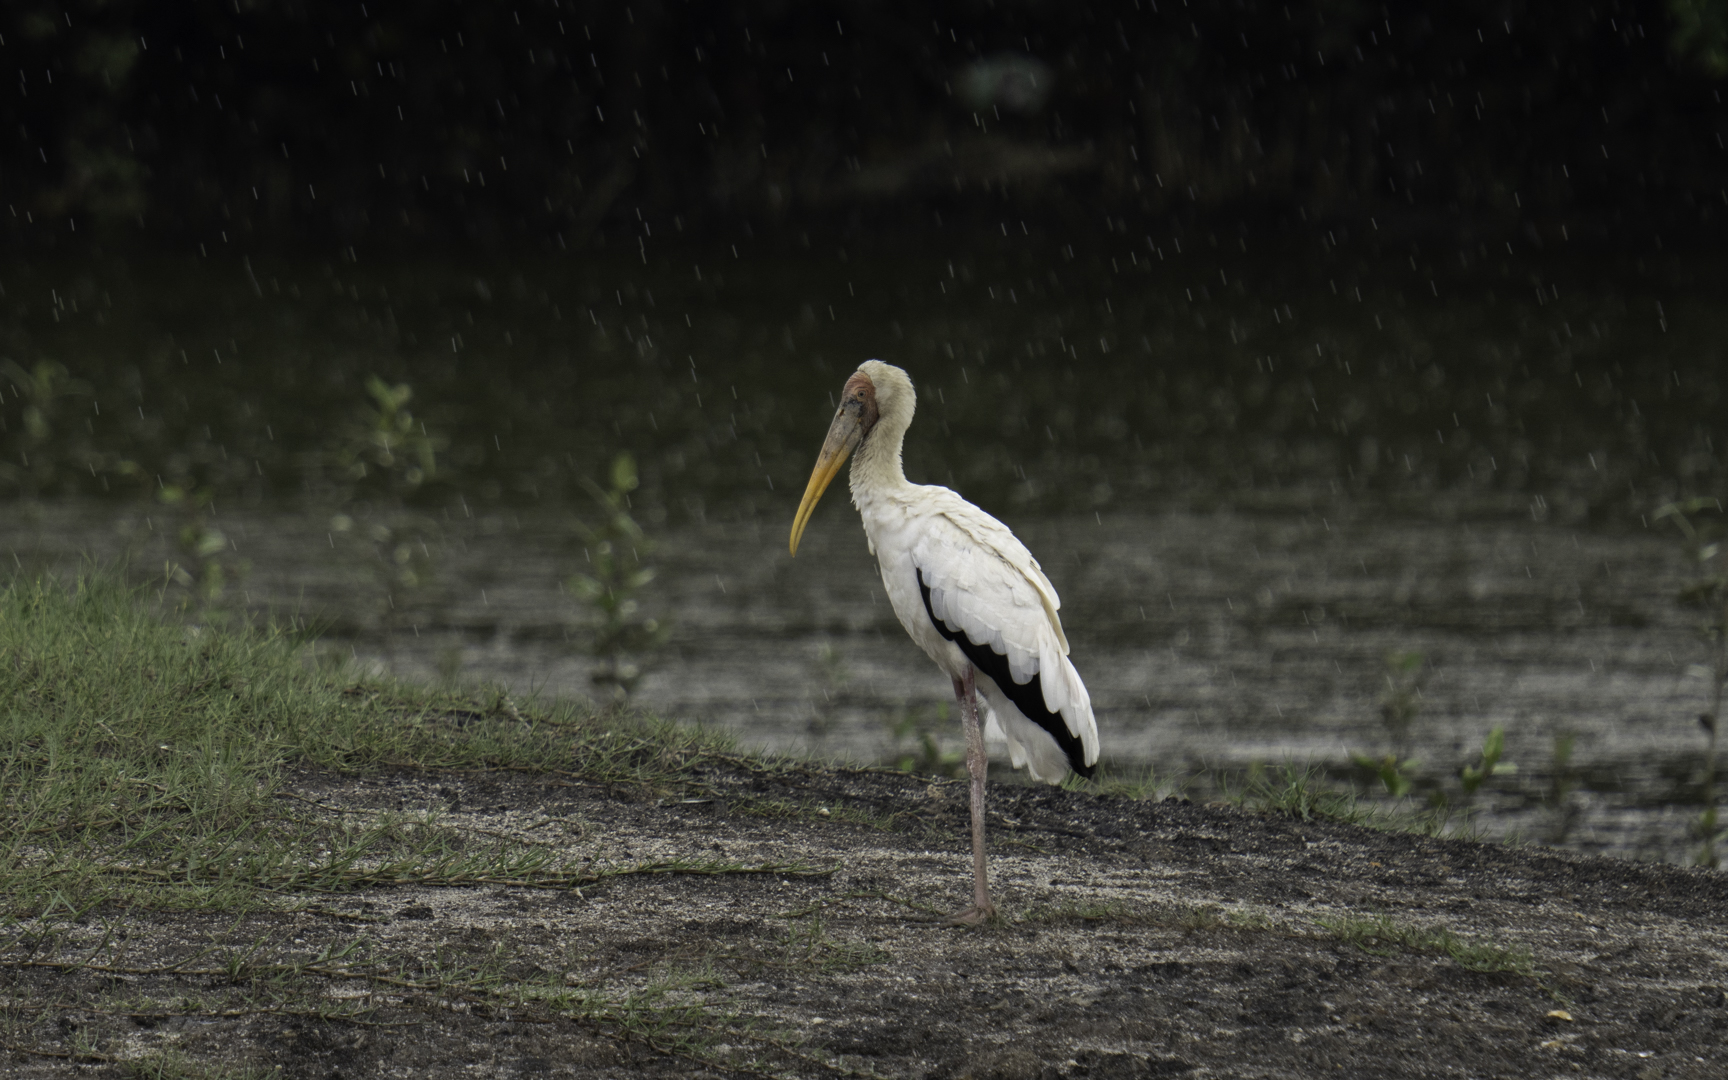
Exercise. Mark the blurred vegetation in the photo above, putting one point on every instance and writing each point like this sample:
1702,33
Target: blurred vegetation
1400,775
1488,764
385,452
1562,809
555,125
1700,34
1596,401
1406,672
45,447
380,460
615,552
1402,700
917,746
205,566
299,155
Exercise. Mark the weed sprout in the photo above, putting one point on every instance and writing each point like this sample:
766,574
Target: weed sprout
623,638
920,725
42,445
380,461
203,568
1405,674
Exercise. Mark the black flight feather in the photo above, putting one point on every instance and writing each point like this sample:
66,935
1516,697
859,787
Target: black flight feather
1028,697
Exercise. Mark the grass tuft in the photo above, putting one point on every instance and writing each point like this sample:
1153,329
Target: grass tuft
1302,794
1145,786
144,762
1383,935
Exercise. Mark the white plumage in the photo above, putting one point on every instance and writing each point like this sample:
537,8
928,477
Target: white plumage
985,585
967,591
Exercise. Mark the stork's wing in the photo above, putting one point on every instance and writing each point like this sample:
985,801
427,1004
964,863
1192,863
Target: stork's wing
985,592
987,532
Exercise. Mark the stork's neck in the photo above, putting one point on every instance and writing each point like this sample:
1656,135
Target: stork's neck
876,469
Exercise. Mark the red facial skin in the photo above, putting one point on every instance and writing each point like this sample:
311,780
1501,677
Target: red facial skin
858,400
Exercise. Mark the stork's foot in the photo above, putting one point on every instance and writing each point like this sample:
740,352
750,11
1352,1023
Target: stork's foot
973,916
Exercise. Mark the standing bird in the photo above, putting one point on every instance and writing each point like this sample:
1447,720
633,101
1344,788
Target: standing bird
969,593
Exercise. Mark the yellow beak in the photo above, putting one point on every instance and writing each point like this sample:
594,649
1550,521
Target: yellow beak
843,438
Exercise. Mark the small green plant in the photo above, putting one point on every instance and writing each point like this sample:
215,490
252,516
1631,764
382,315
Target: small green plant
1394,774
203,567
1488,763
921,724
624,639
1399,704
397,551
1471,777
380,462
43,446
1405,674
385,451
1704,537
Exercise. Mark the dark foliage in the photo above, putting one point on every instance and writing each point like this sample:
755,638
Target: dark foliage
551,123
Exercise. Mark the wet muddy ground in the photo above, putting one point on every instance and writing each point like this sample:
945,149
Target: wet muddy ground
1137,939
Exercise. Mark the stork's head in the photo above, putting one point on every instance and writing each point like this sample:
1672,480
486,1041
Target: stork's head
877,396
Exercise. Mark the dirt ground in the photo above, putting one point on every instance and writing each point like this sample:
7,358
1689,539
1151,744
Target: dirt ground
1137,940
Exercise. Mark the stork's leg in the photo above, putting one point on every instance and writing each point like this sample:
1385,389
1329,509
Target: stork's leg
976,765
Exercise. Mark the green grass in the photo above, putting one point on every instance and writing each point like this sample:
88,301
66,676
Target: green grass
1302,794
1305,793
147,765
143,762
1142,786
1383,935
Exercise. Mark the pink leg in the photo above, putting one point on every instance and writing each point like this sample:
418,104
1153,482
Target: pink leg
976,766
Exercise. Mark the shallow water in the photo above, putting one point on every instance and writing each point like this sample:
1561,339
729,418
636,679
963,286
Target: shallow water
1211,639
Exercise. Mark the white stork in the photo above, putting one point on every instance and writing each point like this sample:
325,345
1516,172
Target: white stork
969,593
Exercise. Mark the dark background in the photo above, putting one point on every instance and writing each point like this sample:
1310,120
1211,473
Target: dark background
1132,250
549,125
